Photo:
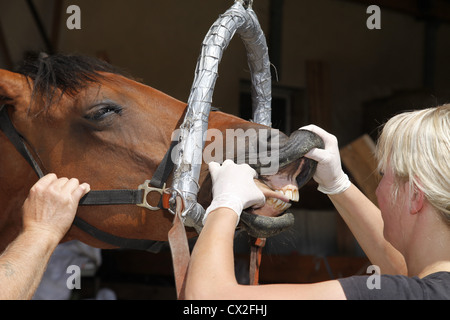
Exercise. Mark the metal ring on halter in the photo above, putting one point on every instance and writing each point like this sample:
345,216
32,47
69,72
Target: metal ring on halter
147,190
173,202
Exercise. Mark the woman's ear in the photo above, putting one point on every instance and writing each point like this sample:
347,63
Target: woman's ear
416,200
13,87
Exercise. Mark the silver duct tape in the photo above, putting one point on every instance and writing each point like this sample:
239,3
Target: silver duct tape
193,130
259,63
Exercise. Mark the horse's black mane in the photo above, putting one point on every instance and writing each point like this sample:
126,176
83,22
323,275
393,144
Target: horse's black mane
68,73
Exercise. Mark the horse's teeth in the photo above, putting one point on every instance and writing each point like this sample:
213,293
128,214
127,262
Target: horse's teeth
292,194
283,206
278,204
288,193
295,196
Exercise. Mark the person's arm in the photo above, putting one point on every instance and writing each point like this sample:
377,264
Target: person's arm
212,261
23,263
361,215
48,213
211,270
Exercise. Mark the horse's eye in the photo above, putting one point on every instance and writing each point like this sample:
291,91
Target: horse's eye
101,112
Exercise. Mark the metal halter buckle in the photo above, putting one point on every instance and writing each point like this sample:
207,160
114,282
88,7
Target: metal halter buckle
147,189
174,193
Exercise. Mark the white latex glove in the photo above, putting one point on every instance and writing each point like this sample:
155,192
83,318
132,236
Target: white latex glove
329,174
233,187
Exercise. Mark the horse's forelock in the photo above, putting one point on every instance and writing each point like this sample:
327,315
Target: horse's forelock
57,75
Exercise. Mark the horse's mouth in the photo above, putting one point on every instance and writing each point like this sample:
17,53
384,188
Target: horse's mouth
295,171
280,205
271,219
279,202
275,206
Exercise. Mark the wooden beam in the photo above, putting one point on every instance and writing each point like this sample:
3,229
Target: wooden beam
4,49
56,23
276,36
359,159
318,91
40,26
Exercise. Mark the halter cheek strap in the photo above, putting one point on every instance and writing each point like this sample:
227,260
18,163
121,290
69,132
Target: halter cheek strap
17,140
103,197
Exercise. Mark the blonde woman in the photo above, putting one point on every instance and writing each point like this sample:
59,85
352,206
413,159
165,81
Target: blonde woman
408,237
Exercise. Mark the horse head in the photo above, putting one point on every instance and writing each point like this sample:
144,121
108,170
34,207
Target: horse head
80,117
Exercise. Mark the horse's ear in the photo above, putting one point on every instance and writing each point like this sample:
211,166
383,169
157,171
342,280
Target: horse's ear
12,87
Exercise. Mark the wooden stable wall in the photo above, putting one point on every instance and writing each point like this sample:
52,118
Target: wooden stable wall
359,159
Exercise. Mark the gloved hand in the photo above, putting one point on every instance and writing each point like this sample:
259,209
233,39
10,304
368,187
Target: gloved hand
233,187
329,174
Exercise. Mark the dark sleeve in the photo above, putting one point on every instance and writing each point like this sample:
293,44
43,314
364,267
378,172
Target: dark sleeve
385,287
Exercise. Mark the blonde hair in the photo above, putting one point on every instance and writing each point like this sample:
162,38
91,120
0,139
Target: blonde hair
416,146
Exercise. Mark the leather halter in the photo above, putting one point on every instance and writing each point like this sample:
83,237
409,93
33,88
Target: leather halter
104,197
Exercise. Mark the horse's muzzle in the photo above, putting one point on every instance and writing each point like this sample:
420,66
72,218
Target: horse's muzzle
292,149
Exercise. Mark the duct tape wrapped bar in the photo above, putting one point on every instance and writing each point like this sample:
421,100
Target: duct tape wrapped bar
241,19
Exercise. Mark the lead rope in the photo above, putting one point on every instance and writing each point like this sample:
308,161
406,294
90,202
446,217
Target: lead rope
180,250
255,260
